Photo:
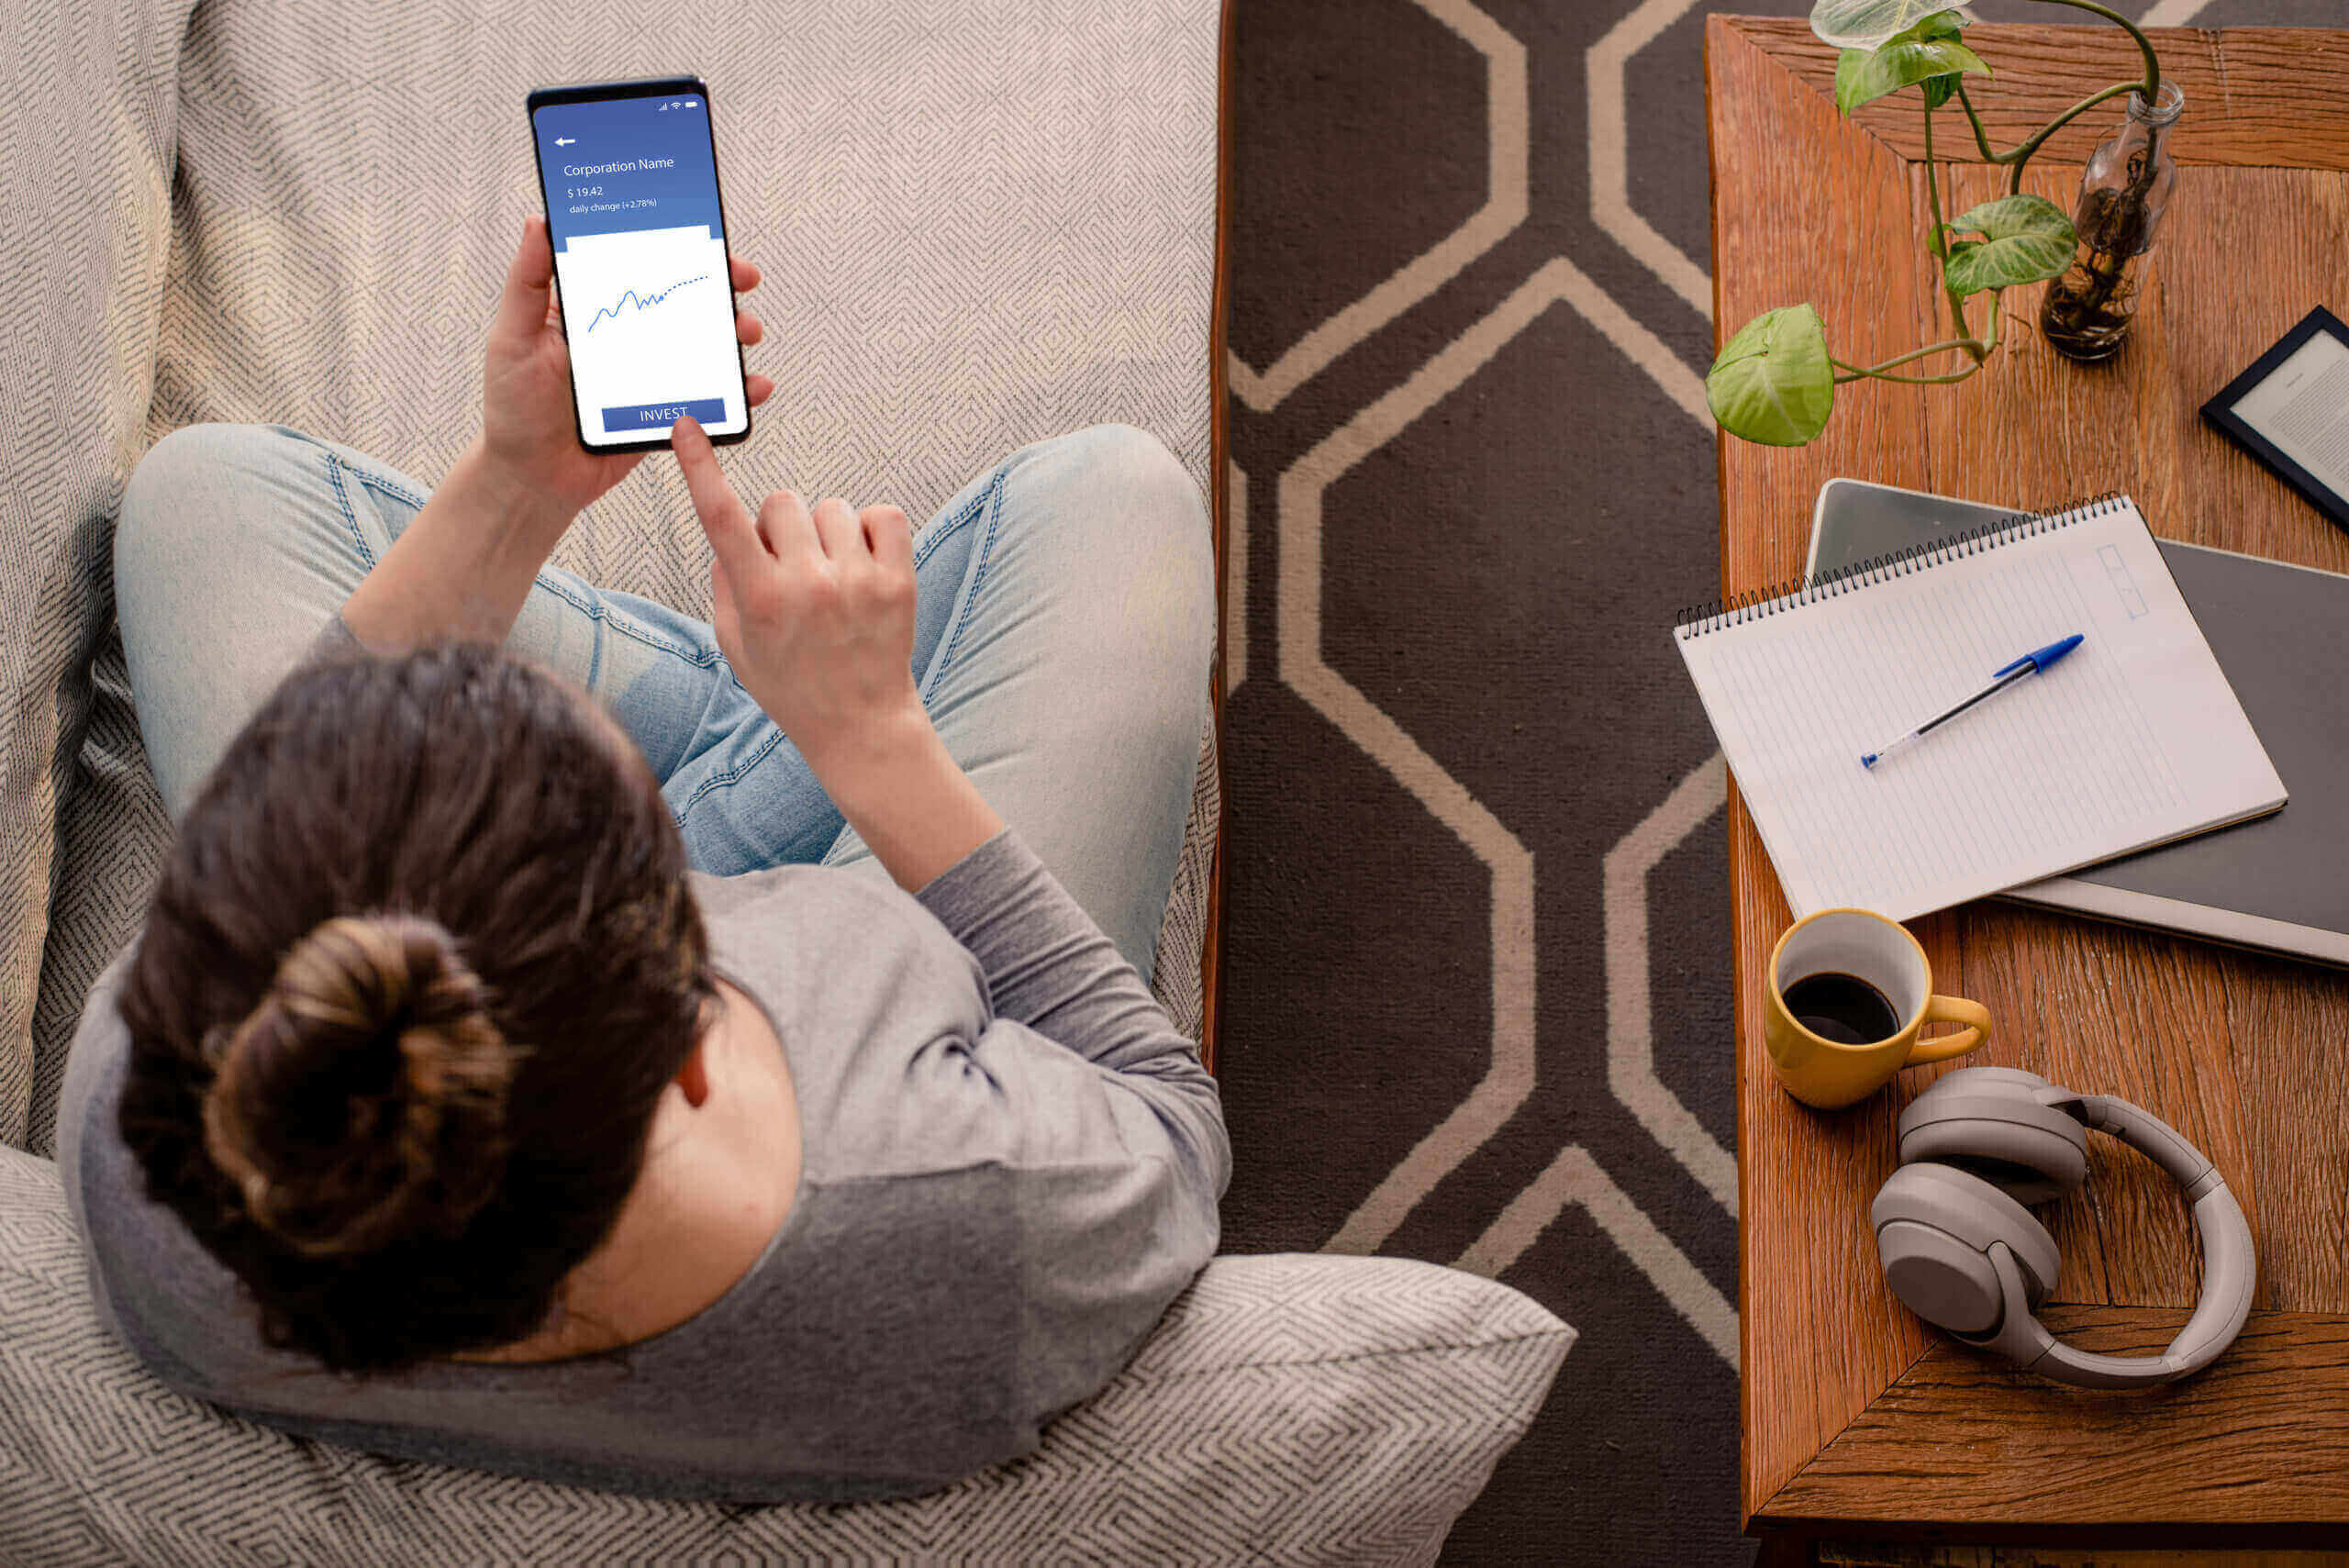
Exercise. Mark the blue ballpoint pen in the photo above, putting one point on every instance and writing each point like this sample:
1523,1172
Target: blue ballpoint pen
2029,664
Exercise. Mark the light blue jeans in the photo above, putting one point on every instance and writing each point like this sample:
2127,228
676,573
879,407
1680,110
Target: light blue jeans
1063,623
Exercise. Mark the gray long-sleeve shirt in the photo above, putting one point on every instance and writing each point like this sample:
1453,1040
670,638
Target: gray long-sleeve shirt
1011,1164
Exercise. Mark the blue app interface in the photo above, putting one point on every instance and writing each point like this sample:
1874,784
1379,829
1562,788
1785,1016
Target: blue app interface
639,261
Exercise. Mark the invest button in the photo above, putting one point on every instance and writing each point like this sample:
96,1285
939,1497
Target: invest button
661,416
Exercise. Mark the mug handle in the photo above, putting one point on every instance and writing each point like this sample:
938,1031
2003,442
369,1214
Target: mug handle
1949,1010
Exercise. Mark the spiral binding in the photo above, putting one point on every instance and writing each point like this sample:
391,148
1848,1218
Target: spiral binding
1738,608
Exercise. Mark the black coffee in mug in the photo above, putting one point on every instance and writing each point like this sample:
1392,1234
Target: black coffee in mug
1841,1008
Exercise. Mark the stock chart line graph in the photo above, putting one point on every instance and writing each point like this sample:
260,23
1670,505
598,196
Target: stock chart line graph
642,302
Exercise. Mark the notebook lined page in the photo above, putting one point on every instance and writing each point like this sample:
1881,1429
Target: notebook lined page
2133,739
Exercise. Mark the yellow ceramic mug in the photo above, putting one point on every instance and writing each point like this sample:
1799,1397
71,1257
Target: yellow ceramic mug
1857,942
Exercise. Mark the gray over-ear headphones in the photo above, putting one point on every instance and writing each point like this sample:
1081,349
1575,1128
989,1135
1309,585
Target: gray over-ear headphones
1961,1249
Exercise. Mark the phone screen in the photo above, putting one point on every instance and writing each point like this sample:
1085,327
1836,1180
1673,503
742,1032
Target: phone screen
630,177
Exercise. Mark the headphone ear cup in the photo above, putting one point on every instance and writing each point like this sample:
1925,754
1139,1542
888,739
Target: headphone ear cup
1934,1227
1989,1121
1940,1278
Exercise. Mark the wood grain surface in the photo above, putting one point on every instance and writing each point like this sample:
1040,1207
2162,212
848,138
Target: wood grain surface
1818,1338
1842,1388
2275,97
2005,1447
1842,1554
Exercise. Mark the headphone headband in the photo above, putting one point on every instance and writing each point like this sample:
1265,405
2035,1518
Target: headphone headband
2229,1270
1925,1253
2143,1130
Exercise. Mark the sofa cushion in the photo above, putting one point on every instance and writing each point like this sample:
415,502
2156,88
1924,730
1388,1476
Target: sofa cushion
1291,1409
88,116
980,225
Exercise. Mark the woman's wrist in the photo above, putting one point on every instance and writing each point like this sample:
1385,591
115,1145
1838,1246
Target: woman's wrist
905,795
519,511
463,568
855,759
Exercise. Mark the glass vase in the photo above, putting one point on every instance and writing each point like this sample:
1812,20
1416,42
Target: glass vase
2123,192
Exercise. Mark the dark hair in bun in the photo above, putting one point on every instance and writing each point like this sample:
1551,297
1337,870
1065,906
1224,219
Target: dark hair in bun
418,969
364,1098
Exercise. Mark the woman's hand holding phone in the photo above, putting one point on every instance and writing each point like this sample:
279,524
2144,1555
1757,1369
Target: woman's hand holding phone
464,566
815,612
529,437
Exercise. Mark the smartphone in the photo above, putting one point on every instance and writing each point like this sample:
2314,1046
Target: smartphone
628,170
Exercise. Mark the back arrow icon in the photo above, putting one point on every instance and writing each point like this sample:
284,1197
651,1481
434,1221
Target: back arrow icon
564,140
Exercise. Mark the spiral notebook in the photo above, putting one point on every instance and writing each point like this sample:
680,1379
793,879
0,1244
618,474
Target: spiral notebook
2132,741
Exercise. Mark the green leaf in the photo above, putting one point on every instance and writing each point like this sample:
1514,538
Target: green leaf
1940,90
2024,239
1773,384
1928,53
1864,24
1850,66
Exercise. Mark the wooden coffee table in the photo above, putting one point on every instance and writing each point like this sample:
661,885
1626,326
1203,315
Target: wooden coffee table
1859,1421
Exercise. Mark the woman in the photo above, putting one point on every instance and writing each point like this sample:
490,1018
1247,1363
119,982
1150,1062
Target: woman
475,1091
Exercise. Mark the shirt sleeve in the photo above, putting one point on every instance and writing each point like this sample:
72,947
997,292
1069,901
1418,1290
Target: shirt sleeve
1048,966
1123,1153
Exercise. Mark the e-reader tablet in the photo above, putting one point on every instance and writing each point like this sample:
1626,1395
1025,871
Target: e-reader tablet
2291,410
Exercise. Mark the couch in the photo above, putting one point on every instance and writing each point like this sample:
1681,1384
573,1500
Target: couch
980,224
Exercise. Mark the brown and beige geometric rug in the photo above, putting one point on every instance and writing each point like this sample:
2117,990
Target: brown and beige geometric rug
1477,1003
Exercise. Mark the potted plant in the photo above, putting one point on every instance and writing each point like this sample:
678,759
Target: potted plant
1775,381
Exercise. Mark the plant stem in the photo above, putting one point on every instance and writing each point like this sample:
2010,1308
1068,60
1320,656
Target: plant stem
1932,185
1905,380
1933,199
1981,137
1980,348
1911,354
2153,83
2021,154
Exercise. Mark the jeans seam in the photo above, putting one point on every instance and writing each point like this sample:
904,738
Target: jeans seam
594,610
350,513
946,529
730,776
378,481
992,500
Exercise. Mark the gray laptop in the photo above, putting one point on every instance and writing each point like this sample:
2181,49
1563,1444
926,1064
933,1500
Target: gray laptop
2279,883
